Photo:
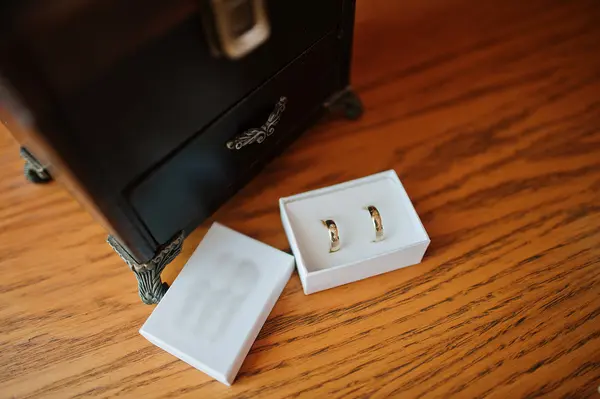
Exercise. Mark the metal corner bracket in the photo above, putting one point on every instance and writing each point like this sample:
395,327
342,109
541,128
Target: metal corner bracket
151,288
34,171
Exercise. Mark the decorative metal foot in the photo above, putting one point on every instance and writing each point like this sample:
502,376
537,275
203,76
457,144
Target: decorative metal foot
34,171
150,286
346,103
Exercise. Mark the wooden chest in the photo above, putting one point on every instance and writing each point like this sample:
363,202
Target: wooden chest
151,116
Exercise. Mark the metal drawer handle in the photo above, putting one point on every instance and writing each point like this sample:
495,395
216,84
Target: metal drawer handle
258,135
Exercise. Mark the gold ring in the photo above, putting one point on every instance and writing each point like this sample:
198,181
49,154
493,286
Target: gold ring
334,235
377,223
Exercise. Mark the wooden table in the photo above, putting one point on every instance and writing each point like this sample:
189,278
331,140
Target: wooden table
490,113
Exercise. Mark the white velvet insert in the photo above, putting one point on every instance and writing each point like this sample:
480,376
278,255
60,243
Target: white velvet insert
346,207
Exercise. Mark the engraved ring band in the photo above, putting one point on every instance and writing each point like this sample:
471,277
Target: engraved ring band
377,223
334,235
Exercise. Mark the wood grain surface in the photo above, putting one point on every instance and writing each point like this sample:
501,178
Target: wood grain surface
490,113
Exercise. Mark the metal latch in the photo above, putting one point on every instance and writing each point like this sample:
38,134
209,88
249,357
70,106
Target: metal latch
240,26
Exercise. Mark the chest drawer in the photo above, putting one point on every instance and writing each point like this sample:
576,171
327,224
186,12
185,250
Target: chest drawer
210,167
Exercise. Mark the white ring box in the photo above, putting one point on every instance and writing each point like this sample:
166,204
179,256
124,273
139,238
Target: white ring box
215,308
359,257
218,303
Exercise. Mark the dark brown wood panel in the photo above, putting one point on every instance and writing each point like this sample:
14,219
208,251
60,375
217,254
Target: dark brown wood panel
490,113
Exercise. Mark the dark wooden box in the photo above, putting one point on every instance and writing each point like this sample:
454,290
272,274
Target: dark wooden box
152,128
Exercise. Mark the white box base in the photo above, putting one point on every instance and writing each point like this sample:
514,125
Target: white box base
218,303
405,240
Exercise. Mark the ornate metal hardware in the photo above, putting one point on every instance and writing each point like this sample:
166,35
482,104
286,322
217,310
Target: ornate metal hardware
240,26
258,135
150,286
34,171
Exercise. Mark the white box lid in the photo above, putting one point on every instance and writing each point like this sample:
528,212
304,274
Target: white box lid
218,303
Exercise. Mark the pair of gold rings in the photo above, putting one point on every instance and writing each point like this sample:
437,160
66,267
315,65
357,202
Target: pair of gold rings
334,232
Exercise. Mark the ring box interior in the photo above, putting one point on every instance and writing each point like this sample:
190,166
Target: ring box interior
359,257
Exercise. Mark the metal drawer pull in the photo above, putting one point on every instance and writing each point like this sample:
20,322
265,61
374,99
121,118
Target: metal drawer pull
258,135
